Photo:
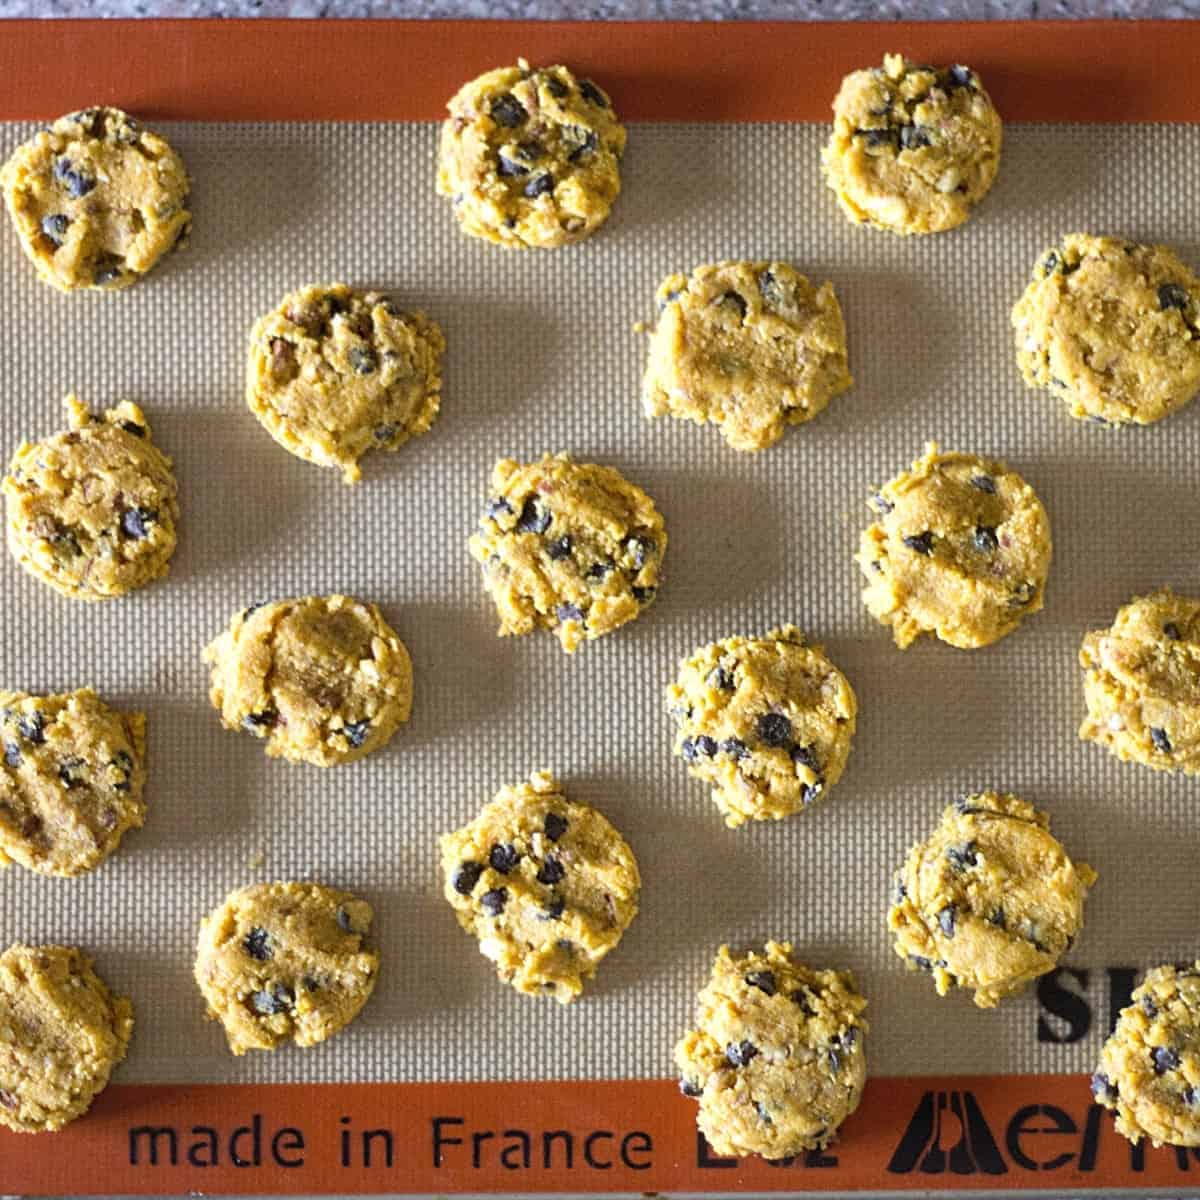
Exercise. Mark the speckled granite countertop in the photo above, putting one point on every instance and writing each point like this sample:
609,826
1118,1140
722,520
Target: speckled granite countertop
752,10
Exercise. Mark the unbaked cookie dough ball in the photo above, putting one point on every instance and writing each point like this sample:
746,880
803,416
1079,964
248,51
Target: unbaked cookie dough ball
776,1060
61,1031
323,679
990,900
71,780
751,347
531,157
1149,1072
335,372
96,200
1141,683
913,148
546,884
1112,328
960,549
280,962
570,547
92,511
766,721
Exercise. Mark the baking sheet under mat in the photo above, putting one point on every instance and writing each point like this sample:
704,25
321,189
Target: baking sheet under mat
541,357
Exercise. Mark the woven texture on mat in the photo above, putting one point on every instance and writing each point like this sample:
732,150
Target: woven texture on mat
541,357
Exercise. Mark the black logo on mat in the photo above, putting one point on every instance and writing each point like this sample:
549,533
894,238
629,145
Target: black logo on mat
953,1117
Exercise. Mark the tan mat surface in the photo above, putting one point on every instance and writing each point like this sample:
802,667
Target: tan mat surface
541,357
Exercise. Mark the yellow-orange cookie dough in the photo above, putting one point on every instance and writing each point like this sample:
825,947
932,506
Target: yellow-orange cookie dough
93,511
571,547
960,549
1149,1072
776,1060
751,347
545,883
1112,328
1141,683
71,780
767,721
335,372
280,962
913,148
322,679
62,1031
96,199
990,900
531,157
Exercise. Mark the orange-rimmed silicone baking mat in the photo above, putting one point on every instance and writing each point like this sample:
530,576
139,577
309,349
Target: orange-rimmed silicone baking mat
312,151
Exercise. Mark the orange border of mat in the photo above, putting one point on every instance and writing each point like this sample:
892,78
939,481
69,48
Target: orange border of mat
1020,1132
266,70
1043,1130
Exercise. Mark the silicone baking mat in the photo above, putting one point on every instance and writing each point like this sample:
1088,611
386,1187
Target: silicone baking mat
312,151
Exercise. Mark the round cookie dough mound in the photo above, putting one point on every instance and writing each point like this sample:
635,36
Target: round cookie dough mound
96,200
335,372
531,157
1112,328
913,149
751,347
766,721
1141,683
990,901
777,1059
62,1031
322,680
92,511
546,884
71,781
568,546
961,550
1149,1072
282,962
